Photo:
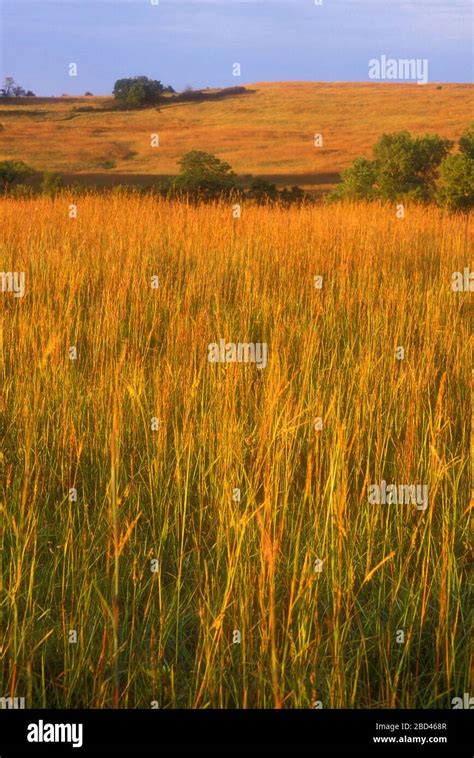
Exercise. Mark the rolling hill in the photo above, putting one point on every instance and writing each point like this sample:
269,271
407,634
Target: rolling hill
268,132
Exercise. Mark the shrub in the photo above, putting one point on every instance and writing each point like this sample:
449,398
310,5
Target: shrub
13,171
403,167
11,89
457,175
51,184
20,191
457,182
466,142
139,90
262,191
79,190
204,175
358,181
407,166
294,196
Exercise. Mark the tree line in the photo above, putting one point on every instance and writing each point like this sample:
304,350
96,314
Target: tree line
421,169
403,168
12,89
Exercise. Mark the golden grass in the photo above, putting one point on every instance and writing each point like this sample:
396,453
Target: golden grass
225,565
270,132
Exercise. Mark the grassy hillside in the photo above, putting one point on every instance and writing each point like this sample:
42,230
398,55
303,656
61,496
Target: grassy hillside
269,132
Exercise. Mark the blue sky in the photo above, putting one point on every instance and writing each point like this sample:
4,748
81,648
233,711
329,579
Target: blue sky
196,42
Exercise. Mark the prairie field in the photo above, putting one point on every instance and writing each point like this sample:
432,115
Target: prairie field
196,534
268,132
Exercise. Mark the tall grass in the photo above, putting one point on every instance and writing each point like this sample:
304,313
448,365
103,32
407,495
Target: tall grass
167,636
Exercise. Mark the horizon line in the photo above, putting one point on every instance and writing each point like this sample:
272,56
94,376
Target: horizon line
339,82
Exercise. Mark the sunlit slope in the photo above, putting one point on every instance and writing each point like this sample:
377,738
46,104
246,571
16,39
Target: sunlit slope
269,131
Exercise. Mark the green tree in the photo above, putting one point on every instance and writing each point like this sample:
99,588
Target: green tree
262,191
139,90
52,183
204,174
457,182
11,89
8,85
407,166
466,142
13,171
402,167
358,181
136,94
457,175
294,196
